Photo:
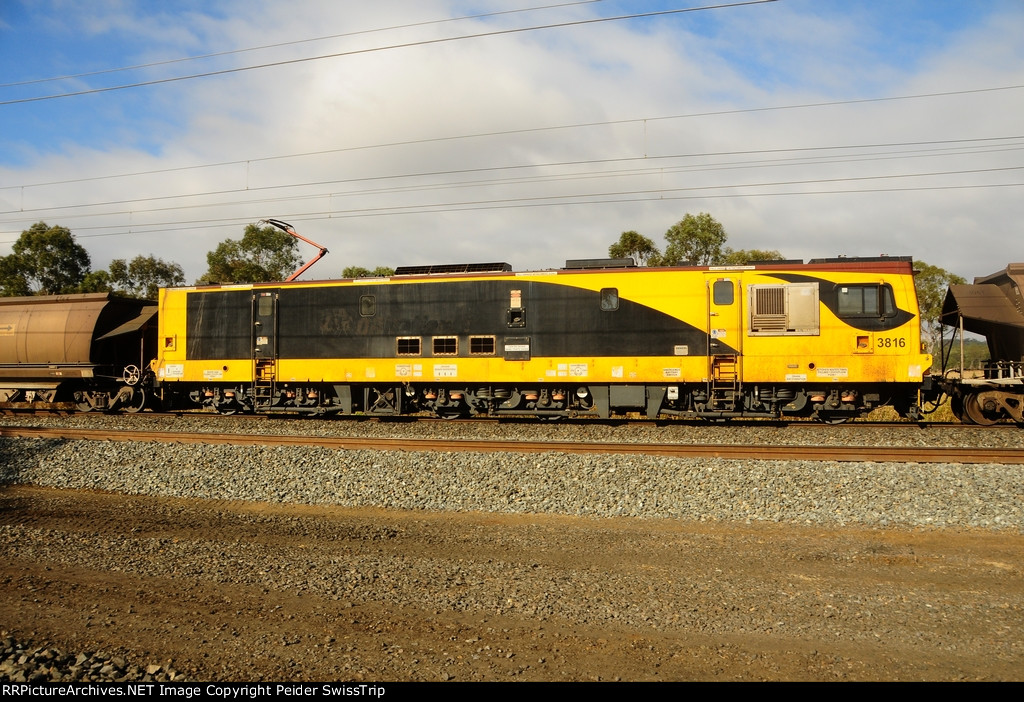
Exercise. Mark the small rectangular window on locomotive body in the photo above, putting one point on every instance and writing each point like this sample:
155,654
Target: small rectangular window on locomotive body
609,299
265,305
367,305
409,346
445,346
723,292
482,345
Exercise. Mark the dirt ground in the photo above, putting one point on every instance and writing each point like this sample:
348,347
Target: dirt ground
241,591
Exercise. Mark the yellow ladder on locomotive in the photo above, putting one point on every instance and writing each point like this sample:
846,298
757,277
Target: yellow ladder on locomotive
264,383
725,382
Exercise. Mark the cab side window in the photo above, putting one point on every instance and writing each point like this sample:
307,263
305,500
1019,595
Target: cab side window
865,301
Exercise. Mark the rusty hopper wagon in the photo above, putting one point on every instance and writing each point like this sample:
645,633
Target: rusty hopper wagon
89,350
994,308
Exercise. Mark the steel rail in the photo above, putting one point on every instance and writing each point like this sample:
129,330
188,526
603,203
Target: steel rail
784,422
873,454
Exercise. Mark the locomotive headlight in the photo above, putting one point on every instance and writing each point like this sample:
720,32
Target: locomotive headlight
582,392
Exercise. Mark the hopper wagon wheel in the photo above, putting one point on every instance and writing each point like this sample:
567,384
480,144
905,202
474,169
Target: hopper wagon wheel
137,402
82,402
956,406
976,413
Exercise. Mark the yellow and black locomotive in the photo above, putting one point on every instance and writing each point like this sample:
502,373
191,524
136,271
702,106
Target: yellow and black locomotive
830,339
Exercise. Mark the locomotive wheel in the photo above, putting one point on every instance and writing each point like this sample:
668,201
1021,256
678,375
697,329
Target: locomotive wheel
827,418
974,411
451,414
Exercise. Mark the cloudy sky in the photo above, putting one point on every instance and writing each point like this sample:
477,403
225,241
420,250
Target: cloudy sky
528,131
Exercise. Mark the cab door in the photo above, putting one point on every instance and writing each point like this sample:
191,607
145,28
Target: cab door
725,341
264,345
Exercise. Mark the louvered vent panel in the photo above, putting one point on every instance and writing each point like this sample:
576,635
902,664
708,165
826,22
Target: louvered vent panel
770,301
769,312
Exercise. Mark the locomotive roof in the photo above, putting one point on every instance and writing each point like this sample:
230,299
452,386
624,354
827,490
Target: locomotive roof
875,264
882,264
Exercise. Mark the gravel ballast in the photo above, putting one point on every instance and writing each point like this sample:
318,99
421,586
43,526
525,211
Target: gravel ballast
222,562
737,432
805,492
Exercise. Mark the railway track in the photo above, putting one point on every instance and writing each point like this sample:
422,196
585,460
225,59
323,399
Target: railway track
905,454
852,426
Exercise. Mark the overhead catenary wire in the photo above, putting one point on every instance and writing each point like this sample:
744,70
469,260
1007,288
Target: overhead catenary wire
607,198
528,130
961,144
294,42
389,47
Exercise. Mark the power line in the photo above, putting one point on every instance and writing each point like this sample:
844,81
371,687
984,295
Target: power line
564,177
621,196
404,45
819,160
278,45
436,209
529,130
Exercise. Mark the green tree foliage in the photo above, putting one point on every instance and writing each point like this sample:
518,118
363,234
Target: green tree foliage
698,239
262,255
13,282
144,276
975,356
360,272
637,246
45,260
740,257
96,281
931,283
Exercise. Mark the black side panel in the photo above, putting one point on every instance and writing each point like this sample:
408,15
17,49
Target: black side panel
560,320
219,325
565,321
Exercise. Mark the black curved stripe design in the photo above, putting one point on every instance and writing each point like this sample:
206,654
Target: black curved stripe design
325,322
828,294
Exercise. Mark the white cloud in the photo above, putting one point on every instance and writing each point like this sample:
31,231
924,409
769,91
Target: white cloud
773,55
